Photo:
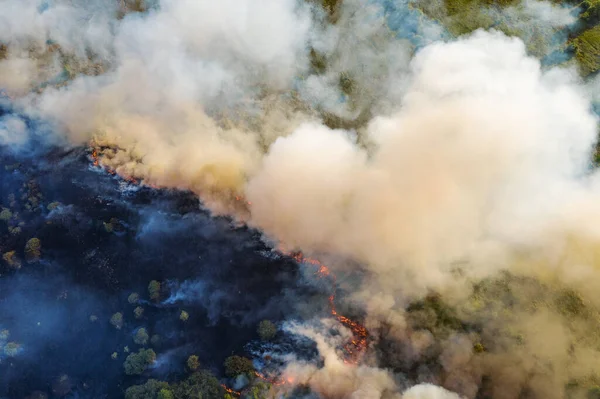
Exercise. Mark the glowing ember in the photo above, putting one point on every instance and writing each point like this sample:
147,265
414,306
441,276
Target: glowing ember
230,391
356,346
270,380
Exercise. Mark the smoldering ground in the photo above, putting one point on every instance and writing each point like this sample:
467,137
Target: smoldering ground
431,165
102,240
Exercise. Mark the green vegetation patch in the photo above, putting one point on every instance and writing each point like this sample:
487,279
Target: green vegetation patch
587,50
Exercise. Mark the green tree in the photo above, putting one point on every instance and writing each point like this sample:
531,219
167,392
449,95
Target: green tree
33,250
11,349
201,384
236,365
137,363
150,390
141,336
155,340
11,259
5,215
593,393
193,363
165,394
260,391
154,290
138,312
133,298
267,330
53,205
117,320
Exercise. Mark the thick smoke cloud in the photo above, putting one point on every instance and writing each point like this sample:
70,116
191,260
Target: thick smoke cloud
431,164
484,140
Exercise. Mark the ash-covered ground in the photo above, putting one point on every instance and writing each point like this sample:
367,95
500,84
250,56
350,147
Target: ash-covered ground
101,239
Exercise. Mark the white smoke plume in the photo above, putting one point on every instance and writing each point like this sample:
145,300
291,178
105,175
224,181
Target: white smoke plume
339,379
484,145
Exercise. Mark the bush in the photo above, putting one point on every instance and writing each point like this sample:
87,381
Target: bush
236,365
117,320
266,330
137,363
141,337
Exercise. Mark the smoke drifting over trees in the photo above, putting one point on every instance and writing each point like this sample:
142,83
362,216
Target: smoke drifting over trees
437,158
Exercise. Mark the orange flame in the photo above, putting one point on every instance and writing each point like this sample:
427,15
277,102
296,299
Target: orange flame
270,380
96,163
356,346
95,157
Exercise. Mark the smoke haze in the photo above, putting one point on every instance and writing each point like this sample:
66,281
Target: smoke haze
429,164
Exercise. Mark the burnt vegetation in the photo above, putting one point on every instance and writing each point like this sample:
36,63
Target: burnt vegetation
92,300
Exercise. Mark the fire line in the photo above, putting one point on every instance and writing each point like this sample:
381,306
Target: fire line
353,349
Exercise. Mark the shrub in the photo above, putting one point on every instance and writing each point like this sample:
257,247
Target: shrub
266,330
